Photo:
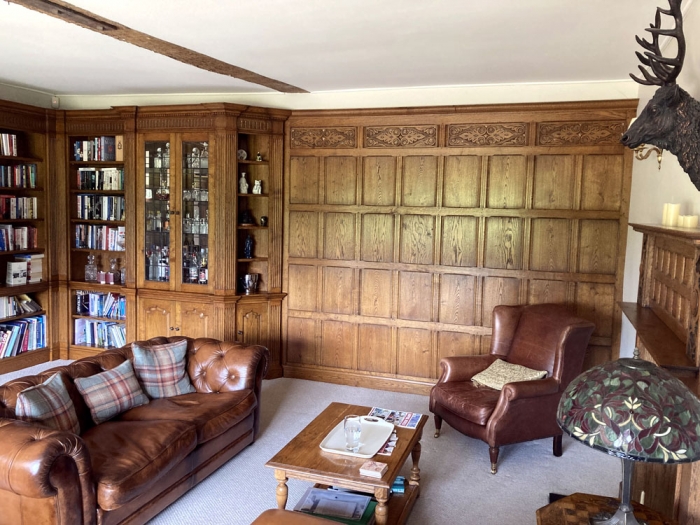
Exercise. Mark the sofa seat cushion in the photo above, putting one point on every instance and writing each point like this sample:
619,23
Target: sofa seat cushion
128,457
467,400
212,414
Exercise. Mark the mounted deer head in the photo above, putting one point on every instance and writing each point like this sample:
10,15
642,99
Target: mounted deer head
671,119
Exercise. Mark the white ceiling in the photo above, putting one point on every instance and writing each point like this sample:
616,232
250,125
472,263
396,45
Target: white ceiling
327,45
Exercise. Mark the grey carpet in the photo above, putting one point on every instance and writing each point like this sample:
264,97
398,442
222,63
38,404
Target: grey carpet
456,484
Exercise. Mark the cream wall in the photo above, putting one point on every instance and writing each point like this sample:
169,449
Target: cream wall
652,187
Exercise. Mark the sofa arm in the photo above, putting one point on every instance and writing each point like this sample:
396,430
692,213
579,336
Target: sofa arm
38,462
463,367
225,366
529,389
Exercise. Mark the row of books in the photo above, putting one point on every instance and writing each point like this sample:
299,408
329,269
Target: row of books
109,148
13,207
101,207
100,334
22,335
35,266
8,144
100,237
17,238
12,306
100,179
100,304
18,176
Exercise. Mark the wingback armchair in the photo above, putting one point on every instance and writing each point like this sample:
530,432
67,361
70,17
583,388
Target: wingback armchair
541,337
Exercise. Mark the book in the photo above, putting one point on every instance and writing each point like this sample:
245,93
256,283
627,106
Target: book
374,469
398,418
338,505
16,273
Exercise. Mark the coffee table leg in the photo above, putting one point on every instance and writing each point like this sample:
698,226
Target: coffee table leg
381,511
282,490
415,471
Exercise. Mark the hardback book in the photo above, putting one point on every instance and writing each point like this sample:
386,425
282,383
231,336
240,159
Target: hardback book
16,273
373,469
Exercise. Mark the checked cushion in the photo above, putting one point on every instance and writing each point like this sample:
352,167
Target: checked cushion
161,369
49,404
111,392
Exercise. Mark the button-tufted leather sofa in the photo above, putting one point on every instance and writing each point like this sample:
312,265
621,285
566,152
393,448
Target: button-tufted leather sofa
128,469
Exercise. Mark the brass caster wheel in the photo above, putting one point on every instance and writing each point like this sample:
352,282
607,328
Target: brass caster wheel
437,433
494,469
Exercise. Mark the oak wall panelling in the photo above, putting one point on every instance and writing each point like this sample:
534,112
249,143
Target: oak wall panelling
404,228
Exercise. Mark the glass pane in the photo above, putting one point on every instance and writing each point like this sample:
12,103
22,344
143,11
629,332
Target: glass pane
157,214
195,212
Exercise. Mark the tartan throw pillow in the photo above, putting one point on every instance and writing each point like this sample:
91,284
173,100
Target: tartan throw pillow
161,369
111,392
49,404
499,373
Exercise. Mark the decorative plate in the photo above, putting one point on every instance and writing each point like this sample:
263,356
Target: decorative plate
242,155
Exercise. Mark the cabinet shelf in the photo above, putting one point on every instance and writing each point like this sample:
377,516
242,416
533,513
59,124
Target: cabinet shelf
94,221
254,259
16,252
118,193
254,195
97,163
251,227
119,320
98,287
23,316
19,160
15,221
24,360
88,250
6,290
254,162
19,189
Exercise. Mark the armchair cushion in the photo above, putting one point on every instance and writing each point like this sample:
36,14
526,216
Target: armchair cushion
49,404
500,372
466,400
161,369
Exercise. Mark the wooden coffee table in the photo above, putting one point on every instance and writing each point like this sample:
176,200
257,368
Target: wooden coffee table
302,458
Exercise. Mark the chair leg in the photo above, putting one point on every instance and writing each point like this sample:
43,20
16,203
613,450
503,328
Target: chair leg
493,454
438,425
556,445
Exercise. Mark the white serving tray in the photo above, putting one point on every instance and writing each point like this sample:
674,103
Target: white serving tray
374,434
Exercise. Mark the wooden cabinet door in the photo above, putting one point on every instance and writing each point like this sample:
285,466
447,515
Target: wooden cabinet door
156,317
252,323
197,320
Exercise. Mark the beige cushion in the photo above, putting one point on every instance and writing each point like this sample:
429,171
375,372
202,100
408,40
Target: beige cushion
500,373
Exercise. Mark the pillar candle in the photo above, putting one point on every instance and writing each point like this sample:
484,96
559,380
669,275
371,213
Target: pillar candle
674,211
692,221
664,216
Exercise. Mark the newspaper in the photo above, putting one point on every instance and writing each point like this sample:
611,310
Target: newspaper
333,503
398,418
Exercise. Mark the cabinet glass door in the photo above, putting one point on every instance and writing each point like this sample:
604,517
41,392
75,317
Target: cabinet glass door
195,213
157,216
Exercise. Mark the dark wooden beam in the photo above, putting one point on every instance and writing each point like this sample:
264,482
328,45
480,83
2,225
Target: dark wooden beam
83,18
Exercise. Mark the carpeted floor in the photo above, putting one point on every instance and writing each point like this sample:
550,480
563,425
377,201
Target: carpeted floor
456,483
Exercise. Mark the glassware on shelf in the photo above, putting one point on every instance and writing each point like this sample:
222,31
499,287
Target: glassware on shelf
113,276
91,269
122,275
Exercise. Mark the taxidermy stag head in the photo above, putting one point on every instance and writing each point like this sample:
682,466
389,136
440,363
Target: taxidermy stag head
671,119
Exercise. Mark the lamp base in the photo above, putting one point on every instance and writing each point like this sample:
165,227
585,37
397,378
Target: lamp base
623,516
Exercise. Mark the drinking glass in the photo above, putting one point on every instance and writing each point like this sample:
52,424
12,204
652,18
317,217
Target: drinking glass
353,428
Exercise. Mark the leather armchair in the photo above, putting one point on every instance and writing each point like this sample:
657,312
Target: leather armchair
542,337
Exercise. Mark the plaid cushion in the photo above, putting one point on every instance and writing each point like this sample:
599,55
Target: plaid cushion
161,369
50,404
111,392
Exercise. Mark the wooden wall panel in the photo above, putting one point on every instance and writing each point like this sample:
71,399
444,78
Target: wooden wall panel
400,242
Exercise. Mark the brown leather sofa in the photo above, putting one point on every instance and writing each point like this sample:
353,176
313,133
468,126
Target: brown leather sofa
128,469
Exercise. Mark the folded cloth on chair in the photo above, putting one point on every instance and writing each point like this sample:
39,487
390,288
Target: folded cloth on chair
500,373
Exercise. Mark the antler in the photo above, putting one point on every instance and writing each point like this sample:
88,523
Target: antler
664,71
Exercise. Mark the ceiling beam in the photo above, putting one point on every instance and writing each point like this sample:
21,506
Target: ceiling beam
88,20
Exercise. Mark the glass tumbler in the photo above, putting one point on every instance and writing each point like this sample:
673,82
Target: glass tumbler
353,428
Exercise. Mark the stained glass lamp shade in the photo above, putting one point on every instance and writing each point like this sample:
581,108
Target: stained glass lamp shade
632,409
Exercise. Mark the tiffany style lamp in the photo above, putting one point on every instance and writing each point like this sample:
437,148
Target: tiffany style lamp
632,409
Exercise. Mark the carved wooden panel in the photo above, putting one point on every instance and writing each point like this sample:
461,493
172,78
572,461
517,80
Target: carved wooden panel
301,341
336,137
506,182
303,180
401,136
377,238
339,241
376,293
341,180
504,243
551,240
414,353
337,290
303,283
379,181
419,183
303,234
415,293
498,290
583,133
462,181
417,239
554,180
374,349
601,188
337,343
479,135
598,246
457,299
543,291
459,241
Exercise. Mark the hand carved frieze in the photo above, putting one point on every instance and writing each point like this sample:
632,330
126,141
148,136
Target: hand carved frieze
253,124
88,127
180,121
583,133
26,121
324,138
400,136
477,135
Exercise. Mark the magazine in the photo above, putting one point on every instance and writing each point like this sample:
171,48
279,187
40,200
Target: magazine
398,418
333,503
